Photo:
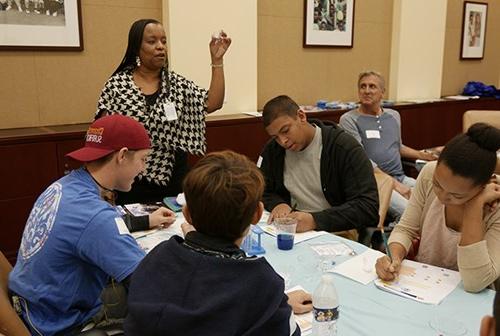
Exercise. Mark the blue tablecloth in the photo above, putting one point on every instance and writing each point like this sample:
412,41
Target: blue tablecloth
367,310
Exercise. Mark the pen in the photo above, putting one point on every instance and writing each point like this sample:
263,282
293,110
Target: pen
384,237
144,233
401,291
141,236
411,295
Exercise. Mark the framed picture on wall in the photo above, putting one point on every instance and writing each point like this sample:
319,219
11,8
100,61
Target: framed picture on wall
328,23
473,30
41,25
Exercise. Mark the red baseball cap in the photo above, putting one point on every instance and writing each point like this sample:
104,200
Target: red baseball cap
109,134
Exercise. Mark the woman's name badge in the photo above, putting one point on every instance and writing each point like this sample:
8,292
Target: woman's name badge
170,112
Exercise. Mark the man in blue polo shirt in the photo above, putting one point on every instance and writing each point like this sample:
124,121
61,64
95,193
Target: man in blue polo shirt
378,130
74,241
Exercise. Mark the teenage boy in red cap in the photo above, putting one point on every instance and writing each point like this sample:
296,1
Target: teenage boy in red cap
74,241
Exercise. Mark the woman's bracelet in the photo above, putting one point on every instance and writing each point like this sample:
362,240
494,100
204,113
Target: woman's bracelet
217,65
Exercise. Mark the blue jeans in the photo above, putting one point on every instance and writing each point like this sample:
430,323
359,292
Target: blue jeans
398,202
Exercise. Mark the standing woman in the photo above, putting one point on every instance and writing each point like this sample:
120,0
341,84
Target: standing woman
171,107
454,209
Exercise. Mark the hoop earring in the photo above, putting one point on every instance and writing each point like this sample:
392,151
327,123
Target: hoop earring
138,61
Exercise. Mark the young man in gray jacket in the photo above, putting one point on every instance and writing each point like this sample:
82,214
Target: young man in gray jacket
315,172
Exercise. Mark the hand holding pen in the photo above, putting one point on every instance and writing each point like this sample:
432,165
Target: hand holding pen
281,210
388,266
305,220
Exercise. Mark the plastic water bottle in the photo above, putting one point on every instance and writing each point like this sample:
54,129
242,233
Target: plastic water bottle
325,307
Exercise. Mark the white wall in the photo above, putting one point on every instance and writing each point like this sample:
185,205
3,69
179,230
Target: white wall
417,49
190,24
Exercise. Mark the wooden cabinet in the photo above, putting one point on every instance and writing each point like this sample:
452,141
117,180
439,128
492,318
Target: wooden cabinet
422,125
30,161
26,169
32,158
246,136
433,124
66,164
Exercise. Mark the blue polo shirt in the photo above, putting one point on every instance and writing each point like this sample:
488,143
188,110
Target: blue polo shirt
380,136
72,244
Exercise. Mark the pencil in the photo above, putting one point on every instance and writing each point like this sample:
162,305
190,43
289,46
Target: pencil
384,237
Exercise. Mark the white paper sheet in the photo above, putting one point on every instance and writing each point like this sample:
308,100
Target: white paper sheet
253,114
299,237
139,209
360,268
461,97
422,282
333,249
148,240
304,321
265,214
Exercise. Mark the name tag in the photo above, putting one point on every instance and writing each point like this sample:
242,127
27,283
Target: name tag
170,112
373,134
122,227
259,162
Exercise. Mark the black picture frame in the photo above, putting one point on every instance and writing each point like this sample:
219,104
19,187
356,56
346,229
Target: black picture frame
328,23
54,25
474,22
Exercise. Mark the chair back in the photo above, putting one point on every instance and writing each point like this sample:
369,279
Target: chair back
385,185
10,323
487,116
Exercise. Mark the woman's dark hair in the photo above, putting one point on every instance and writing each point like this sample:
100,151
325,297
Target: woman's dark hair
134,44
473,155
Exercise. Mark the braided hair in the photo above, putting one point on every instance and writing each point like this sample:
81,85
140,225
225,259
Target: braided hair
473,154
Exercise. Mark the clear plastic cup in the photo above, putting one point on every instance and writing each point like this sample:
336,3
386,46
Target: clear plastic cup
285,232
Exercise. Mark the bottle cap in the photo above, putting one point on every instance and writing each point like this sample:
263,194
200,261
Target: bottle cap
327,277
